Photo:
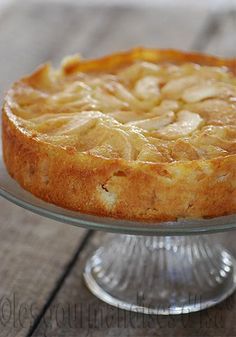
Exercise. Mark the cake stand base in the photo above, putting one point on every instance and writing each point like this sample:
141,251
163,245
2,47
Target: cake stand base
161,275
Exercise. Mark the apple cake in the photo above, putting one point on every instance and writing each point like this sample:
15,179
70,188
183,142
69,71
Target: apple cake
144,134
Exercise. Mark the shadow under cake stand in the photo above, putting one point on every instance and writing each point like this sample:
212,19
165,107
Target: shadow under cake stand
152,268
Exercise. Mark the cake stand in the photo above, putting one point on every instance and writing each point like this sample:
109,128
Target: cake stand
153,268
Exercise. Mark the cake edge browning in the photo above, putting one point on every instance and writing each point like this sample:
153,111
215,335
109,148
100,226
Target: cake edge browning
116,187
109,62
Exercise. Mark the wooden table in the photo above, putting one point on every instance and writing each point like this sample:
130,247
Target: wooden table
41,288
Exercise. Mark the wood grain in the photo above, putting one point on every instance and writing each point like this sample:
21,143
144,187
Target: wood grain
223,41
34,253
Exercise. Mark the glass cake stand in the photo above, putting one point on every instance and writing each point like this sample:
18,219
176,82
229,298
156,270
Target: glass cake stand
153,268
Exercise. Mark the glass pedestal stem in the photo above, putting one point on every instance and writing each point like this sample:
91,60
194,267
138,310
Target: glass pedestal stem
161,275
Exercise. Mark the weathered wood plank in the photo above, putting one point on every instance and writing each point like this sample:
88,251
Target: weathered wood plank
160,27
34,252
223,41
33,34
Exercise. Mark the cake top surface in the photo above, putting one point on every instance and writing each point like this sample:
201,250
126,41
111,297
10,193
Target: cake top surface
144,111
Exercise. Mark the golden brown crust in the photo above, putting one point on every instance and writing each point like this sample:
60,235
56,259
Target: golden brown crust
117,187
150,55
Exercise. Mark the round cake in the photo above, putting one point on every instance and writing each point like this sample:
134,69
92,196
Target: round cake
144,134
